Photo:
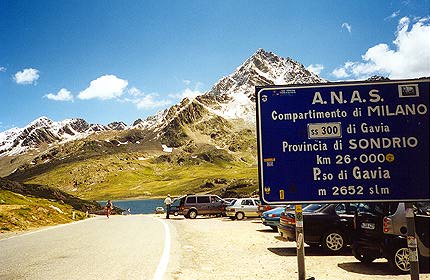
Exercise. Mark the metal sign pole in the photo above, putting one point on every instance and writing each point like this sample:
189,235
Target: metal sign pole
300,242
412,242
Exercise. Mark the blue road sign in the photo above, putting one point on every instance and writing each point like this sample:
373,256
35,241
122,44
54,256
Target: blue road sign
358,141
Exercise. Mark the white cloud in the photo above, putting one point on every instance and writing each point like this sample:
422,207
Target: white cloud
347,26
104,87
393,15
189,93
2,69
134,92
340,73
149,101
145,101
62,95
27,76
409,59
315,68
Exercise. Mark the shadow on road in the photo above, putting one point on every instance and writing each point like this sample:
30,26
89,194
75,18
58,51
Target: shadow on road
375,268
175,218
292,251
267,230
228,219
378,268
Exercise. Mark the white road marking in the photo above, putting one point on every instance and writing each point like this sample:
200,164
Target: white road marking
164,260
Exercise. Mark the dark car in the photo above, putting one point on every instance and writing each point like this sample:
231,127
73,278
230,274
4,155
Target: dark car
380,232
328,225
193,205
287,221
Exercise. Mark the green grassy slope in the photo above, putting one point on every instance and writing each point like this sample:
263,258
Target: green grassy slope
214,156
19,212
133,176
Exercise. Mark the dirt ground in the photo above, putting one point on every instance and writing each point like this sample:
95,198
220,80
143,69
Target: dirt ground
219,248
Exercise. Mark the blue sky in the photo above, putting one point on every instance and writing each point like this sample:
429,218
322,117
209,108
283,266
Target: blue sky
110,61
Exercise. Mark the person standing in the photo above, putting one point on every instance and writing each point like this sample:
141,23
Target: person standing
109,207
168,202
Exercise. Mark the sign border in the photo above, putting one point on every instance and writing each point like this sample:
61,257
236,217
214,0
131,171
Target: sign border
260,89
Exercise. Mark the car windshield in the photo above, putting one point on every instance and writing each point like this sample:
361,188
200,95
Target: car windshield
313,207
377,208
422,208
176,202
232,201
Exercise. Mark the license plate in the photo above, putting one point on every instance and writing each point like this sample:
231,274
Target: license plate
368,226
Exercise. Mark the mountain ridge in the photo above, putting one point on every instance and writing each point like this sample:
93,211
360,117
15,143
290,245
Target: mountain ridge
231,98
202,144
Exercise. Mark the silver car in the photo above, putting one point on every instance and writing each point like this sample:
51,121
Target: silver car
243,207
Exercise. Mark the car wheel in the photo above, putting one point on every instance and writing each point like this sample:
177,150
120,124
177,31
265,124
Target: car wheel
399,260
361,255
333,242
240,216
192,214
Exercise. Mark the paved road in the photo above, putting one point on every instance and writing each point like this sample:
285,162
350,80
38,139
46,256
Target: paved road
121,247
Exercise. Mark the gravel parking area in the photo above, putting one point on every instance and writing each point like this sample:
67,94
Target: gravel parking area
219,248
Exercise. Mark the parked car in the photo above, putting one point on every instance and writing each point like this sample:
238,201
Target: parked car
266,207
228,201
328,225
193,205
174,207
243,207
159,210
271,218
380,232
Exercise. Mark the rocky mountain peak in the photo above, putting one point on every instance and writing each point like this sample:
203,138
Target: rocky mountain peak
231,98
41,122
44,131
117,126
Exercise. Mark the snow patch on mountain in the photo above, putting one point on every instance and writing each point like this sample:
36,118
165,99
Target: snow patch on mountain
46,131
231,98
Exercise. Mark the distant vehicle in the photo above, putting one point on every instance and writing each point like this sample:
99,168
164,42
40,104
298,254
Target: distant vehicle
266,207
380,232
174,207
328,225
193,205
271,218
159,210
243,207
229,200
